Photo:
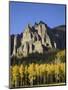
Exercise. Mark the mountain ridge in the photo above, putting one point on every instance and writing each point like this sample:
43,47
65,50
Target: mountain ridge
37,38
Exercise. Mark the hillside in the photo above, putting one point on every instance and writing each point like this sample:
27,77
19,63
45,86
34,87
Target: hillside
37,39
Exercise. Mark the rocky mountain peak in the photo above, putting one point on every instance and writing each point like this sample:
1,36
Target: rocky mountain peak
34,39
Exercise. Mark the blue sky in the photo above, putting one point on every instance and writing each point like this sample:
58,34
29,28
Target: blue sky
23,13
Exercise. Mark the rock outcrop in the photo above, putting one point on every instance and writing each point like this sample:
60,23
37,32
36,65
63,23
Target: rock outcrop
32,40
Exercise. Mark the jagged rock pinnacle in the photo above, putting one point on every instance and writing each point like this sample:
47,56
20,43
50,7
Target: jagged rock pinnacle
33,40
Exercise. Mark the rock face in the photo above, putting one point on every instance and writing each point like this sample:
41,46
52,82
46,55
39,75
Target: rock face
34,39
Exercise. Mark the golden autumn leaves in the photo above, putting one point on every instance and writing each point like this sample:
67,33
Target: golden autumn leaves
36,74
39,74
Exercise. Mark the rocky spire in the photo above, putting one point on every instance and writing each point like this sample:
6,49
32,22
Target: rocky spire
35,36
54,44
14,48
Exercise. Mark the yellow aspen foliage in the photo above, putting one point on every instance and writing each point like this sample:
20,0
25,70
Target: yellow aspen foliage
15,71
37,69
61,53
15,75
26,69
48,68
21,70
31,69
